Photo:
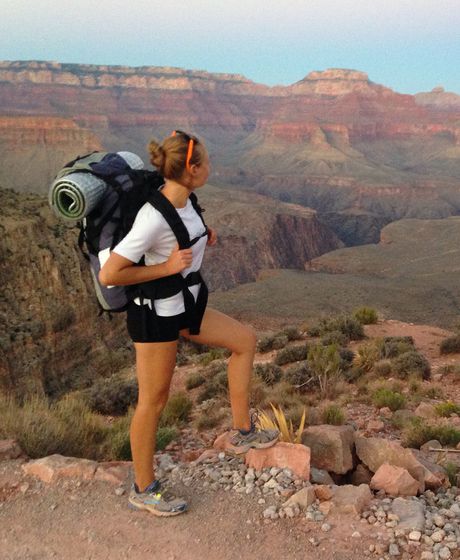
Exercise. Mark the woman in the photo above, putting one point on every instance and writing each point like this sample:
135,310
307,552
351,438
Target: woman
155,323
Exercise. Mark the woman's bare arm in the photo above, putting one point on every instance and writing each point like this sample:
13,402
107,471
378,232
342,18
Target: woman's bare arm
120,271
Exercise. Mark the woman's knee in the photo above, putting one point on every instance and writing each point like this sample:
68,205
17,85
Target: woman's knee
247,341
154,403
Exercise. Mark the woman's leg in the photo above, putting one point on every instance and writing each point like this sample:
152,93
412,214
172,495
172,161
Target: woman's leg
218,329
155,362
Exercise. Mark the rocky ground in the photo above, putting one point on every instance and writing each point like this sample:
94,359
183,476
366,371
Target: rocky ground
239,506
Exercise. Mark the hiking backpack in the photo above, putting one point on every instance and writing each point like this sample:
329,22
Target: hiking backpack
126,191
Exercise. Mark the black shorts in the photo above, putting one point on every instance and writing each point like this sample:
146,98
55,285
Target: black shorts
145,326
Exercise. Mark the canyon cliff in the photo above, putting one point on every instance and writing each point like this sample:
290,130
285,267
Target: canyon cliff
53,338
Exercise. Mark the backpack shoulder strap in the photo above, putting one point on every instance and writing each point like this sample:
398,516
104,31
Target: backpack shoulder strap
169,213
198,209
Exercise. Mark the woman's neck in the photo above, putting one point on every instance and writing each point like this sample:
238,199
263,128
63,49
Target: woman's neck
176,193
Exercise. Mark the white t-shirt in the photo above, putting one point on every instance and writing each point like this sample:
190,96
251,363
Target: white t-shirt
152,238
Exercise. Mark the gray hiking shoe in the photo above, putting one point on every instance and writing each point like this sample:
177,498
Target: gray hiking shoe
256,438
156,502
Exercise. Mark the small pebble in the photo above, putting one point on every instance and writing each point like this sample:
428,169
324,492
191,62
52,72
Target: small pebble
119,491
325,527
356,535
394,550
415,535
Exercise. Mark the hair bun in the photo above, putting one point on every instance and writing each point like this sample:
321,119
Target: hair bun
157,154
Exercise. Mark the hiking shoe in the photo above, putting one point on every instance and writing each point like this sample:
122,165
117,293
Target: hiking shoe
256,438
156,502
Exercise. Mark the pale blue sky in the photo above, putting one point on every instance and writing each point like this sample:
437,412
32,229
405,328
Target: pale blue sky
408,45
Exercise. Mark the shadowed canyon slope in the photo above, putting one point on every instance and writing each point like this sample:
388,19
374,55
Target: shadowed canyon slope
358,152
410,275
51,336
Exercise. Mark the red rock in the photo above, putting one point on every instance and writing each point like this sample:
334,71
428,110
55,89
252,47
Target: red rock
396,481
207,454
425,410
57,466
115,472
294,456
323,492
386,412
191,455
9,449
331,447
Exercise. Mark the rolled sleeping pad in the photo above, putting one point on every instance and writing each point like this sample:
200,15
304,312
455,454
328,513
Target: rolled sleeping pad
74,196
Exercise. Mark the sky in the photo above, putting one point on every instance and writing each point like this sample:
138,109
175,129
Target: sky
408,45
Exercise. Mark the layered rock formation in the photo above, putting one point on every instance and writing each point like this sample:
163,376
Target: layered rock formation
335,140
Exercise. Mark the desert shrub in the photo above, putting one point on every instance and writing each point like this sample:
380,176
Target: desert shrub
67,427
418,431
208,420
314,330
333,414
299,376
283,395
182,359
272,342
177,410
291,332
194,380
432,392
346,355
215,386
394,346
334,337
383,368
191,348
258,392
411,363
113,395
291,354
269,373
450,345
447,408
117,444
213,354
349,326
366,315
353,374
452,471
63,318
324,362
391,399
368,354
165,435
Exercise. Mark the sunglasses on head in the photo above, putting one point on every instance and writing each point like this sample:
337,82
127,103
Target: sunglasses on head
191,141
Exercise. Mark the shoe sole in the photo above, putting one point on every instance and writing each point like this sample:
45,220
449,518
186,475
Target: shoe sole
140,507
244,449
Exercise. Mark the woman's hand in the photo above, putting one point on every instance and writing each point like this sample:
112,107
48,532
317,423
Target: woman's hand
212,237
179,260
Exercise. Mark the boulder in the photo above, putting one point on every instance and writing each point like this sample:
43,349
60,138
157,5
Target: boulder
374,452
9,449
375,426
57,466
425,410
434,443
331,447
396,481
411,514
294,456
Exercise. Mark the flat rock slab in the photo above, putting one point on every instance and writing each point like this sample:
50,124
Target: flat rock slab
57,466
294,456
411,514
351,499
115,472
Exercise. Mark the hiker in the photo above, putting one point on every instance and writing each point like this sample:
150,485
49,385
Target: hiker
155,323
